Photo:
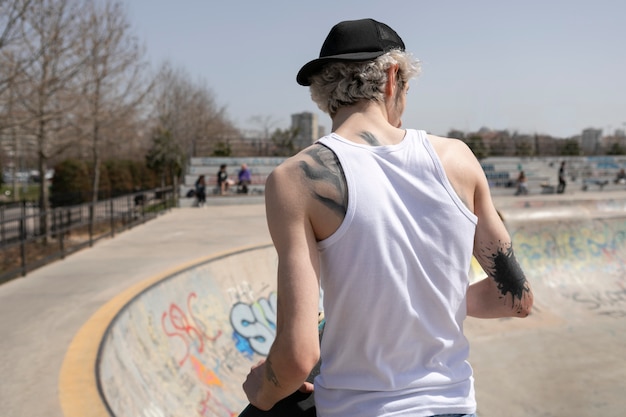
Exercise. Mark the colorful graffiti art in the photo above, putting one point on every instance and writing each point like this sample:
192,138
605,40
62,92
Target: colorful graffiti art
584,261
254,325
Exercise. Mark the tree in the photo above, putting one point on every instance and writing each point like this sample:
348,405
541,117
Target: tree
616,149
13,60
11,34
570,148
189,112
266,123
476,144
166,157
46,93
8,117
523,148
456,134
283,141
501,143
70,184
111,83
222,149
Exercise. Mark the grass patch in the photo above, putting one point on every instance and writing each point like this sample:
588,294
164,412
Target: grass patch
29,192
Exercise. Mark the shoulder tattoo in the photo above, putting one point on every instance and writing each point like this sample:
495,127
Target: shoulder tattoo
325,179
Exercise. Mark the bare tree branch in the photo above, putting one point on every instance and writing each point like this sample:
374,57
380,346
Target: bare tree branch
49,33
112,83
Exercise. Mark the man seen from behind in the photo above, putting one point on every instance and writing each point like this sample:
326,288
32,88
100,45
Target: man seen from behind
385,220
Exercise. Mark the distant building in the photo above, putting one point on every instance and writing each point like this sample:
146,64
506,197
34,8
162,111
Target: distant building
308,129
590,140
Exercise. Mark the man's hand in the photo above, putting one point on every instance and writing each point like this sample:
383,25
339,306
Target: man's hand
254,383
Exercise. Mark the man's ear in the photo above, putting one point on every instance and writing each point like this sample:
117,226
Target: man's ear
392,73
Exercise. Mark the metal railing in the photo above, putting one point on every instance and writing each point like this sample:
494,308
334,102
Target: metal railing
30,238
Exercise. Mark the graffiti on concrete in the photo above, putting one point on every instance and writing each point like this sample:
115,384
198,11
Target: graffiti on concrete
184,326
210,406
254,325
585,260
606,303
568,246
191,336
178,349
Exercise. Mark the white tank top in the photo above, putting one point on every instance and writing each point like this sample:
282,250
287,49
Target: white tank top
394,277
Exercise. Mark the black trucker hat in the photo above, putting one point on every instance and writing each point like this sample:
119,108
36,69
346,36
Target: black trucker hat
352,40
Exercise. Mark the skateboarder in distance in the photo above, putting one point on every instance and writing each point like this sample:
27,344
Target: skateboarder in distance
385,220
562,181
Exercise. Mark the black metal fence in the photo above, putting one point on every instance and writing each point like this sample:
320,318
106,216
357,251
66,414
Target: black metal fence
30,238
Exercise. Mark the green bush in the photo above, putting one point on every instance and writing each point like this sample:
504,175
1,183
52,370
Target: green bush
71,183
143,177
120,177
123,177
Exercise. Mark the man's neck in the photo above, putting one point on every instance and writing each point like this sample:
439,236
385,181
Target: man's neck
366,119
363,111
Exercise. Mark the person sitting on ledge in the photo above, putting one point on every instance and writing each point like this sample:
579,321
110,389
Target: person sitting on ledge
223,182
244,179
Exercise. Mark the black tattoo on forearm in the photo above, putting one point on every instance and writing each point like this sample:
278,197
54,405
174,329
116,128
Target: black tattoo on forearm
508,274
369,138
326,179
270,375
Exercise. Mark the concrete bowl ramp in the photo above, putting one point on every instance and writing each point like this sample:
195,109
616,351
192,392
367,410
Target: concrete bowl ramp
568,357
182,345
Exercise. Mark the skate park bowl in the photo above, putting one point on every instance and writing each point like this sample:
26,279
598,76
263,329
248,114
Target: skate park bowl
178,345
181,343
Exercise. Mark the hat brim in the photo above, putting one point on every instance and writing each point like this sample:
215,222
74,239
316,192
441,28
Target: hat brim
313,67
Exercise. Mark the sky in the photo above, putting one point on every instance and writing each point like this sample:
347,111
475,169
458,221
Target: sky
551,67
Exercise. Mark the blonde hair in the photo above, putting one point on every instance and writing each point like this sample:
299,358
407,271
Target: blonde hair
341,84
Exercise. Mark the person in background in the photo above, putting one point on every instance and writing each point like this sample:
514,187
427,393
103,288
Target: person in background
244,179
620,178
522,184
385,220
200,187
560,189
223,182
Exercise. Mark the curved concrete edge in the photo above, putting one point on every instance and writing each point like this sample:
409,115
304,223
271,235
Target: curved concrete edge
566,358
79,392
548,346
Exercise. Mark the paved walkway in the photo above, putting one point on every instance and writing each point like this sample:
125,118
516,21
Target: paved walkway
41,313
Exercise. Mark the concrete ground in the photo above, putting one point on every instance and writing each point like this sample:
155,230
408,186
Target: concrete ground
566,359
41,313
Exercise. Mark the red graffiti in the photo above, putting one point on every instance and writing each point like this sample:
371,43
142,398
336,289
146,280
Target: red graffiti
214,408
186,328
